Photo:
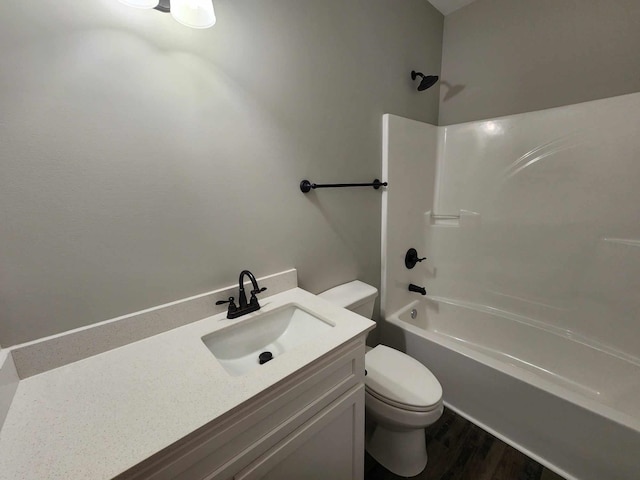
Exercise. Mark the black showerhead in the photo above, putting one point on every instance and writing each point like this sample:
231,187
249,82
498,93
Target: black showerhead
427,81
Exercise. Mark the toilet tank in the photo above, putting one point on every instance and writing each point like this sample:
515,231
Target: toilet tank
356,296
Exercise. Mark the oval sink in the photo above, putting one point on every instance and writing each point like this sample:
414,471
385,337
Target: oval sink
239,346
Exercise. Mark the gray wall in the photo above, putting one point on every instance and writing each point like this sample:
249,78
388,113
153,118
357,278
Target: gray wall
519,56
142,161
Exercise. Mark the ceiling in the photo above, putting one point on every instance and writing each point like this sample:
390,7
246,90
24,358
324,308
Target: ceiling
448,6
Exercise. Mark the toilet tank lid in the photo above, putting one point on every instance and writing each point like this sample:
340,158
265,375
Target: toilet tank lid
350,295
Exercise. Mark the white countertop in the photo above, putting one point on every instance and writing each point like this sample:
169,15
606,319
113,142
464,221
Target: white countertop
100,416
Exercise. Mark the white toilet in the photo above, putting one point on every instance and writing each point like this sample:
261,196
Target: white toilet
402,395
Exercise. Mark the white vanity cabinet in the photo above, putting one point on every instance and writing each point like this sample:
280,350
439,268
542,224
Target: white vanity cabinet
308,426
324,447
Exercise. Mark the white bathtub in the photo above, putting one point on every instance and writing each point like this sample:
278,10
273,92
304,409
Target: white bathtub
573,407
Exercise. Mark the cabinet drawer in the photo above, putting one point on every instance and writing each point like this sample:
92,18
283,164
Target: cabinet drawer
220,448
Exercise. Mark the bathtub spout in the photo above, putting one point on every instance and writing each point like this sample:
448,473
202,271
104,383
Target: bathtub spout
417,289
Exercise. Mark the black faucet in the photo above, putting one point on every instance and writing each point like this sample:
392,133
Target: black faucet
243,307
417,289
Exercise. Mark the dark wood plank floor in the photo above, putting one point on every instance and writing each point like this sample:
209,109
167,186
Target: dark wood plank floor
459,450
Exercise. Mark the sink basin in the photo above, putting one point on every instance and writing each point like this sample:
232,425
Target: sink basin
238,347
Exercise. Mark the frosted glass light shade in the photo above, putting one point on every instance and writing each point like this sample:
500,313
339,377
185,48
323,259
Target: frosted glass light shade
141,3
193,13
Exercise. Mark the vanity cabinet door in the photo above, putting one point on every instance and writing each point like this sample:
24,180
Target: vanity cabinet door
329,446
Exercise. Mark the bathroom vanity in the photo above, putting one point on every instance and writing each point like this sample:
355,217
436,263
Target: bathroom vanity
310,426
166,407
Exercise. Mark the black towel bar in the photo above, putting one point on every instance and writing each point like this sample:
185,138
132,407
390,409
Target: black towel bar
306,186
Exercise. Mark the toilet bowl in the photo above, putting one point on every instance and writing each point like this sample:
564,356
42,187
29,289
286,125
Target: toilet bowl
402,396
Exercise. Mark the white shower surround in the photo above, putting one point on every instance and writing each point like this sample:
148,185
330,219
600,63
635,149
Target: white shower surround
531,232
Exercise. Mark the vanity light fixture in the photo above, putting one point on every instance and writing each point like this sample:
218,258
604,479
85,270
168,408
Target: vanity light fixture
192,13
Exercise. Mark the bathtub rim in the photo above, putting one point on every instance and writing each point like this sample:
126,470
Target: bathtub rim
622,419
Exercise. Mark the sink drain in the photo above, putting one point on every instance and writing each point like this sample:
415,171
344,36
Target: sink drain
264,357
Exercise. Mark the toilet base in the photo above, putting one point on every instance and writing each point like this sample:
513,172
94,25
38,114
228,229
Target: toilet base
403,452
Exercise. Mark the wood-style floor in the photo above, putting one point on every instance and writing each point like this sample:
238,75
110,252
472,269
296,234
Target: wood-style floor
459,450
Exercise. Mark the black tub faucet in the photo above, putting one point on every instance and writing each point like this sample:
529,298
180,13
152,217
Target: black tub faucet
417,289
243,307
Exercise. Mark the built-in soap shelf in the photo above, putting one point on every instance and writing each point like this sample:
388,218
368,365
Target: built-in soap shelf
465,218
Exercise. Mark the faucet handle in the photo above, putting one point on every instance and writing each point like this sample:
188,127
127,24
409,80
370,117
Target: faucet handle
259,290
222,302
254,300
232,306
412,258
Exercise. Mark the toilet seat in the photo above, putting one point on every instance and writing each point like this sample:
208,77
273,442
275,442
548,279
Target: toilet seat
401,381
403,406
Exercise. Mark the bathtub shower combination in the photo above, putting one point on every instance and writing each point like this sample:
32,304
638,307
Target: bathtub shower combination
531,322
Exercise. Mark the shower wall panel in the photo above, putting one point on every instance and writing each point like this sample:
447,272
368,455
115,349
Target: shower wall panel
408,164
549,220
